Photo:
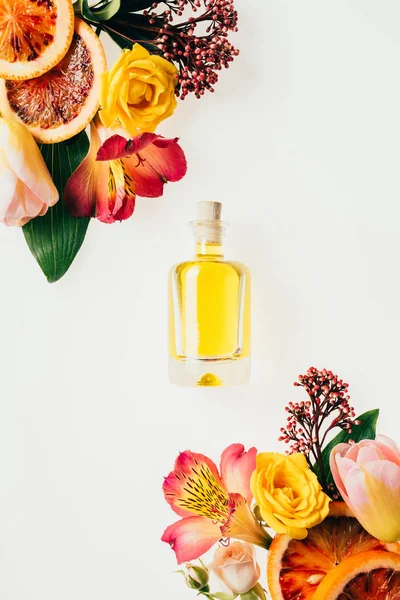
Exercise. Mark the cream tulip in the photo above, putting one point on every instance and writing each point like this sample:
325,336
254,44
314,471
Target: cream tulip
27,189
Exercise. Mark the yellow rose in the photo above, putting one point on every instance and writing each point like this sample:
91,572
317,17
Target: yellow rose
288,493
139,91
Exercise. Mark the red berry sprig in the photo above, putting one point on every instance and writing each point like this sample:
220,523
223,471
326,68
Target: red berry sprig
198,54
306,429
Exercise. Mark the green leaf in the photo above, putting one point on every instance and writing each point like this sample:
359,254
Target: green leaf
102,11
56,238
126,34
258,590
130,29
366,430
220,596
86,12
108,11
251,595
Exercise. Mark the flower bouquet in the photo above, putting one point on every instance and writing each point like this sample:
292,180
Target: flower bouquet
54,83
327,512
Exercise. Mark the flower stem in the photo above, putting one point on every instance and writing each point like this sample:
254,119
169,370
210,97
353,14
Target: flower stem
320,462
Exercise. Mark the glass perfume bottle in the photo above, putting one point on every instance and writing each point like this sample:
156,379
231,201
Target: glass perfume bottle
209,310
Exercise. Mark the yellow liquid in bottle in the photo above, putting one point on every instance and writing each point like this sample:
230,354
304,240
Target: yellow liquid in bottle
209,309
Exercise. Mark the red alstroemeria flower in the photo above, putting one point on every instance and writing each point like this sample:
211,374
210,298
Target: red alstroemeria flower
106,183
213,505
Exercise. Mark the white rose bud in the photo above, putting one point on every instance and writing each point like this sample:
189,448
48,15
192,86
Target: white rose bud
196,577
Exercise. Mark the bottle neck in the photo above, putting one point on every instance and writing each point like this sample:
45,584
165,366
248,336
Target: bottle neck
206,249
208,238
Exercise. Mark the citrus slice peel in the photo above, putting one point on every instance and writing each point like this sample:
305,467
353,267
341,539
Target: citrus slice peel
297,567
365,576
34,36
60,103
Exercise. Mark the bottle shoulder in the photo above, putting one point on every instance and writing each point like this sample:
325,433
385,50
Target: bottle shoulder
196,265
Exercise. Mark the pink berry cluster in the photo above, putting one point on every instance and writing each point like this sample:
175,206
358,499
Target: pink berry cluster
199,45
328,398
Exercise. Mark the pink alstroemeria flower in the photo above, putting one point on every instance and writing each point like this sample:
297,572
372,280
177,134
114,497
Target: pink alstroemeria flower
117,169
212,505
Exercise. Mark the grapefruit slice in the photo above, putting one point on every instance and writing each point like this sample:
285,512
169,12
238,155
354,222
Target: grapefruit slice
297,567
366,576
59,104
34,36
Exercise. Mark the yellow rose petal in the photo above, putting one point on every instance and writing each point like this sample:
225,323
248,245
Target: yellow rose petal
138,92
288,493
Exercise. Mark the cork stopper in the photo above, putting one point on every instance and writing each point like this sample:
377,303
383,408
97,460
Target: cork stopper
209,211
208,227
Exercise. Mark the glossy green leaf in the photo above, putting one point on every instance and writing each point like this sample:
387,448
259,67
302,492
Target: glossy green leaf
83,8
125,34
101,11
56,238
366,430
107,11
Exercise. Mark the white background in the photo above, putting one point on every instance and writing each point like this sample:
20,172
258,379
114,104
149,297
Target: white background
301,143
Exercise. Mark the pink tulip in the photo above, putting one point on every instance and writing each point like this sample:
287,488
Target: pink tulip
367,476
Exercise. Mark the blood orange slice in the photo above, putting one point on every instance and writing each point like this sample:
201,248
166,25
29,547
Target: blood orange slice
366,576
59,104
34,36
297,567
